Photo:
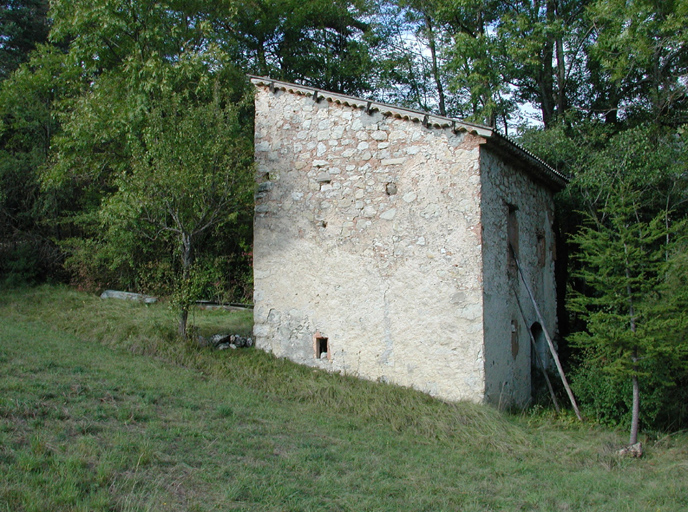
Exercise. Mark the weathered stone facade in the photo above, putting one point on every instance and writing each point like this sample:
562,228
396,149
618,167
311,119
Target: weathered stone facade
381,246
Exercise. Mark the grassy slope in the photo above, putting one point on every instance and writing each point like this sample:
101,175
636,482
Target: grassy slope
94,426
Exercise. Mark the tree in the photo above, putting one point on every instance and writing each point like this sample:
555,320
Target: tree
629,265
129,57
620,266
546,51
125,51
30,107
642,45
410,60
23,25
320,43
633,323
475,60
190,175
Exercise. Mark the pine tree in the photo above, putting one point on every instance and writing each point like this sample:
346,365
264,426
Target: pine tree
633,311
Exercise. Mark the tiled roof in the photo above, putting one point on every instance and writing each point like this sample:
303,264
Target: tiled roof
501,144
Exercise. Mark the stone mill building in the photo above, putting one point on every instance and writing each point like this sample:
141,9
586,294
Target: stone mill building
382,245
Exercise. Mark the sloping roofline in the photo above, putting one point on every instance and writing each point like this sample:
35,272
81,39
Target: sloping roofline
536,167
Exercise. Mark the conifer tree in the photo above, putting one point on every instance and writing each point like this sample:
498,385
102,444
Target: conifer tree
633,314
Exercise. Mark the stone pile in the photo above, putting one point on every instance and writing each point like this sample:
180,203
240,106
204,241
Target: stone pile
225,341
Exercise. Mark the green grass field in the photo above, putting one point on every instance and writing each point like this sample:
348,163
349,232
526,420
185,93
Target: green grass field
102,409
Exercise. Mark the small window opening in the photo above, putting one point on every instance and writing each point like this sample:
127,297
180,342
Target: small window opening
540,350
322,348
514,339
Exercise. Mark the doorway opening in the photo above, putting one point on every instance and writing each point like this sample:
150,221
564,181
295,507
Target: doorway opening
539,362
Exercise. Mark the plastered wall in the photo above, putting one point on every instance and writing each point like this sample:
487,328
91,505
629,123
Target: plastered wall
368,233
510,195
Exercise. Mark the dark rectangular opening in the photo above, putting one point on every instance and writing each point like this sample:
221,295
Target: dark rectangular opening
321,347
541,249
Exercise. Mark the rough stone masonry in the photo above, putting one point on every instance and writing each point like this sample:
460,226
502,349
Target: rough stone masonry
381,244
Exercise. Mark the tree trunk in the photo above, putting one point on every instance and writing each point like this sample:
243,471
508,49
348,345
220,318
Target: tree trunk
561,78
635,415
183,319
546,87
635,412
546,76
435,67
262,61
187,260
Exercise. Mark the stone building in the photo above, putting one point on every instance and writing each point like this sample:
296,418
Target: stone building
382,241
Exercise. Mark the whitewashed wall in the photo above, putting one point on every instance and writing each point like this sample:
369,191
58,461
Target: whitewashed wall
368,232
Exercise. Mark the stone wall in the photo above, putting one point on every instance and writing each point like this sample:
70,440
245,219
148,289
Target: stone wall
511,195
367,252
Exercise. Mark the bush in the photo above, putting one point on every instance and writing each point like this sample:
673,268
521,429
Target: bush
28,262
607,398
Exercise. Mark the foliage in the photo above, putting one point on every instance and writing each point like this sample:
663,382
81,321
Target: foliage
453,63
546,45
190,174
608,400
476,67
627,180
633,324
29,111
134,61
643,46
72,116
321,43
23,25
410,70
570,60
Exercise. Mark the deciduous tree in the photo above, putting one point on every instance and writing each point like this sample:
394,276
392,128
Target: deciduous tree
190,175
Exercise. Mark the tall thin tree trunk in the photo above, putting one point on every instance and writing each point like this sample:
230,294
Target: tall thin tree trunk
435,66
561,77
546,75
635,412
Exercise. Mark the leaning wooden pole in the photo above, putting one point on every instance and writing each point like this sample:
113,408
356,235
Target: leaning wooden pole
547,337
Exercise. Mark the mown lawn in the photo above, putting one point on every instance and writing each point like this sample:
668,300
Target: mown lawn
102,409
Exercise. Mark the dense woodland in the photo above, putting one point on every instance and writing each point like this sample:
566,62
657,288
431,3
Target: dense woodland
126,148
